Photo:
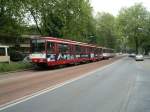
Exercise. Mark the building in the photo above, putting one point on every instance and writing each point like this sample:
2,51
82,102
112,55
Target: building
4,54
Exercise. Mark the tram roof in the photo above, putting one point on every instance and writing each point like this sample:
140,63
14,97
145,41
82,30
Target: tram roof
67,41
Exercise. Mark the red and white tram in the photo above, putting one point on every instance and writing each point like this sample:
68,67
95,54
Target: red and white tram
55,51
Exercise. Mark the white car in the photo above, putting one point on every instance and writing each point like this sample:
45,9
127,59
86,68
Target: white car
139,57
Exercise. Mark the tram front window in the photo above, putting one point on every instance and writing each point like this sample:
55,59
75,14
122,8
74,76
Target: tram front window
38,46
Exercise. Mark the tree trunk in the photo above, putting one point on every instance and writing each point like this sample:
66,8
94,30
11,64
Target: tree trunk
136,44
36,22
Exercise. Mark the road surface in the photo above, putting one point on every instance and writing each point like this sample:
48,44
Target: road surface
20,84
120,87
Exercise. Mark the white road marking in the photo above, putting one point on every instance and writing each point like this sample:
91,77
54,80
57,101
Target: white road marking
28,97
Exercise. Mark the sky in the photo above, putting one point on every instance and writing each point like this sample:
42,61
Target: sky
113,6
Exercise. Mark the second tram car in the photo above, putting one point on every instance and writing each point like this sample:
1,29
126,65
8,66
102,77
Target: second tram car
52,51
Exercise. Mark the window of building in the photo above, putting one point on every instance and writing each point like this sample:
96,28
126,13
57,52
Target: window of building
2,51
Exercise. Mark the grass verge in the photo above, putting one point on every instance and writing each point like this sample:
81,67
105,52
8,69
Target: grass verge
14,66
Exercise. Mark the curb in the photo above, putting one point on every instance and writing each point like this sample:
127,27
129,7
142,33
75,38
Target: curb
21,70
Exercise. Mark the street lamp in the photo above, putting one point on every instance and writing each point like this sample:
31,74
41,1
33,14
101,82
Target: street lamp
141,30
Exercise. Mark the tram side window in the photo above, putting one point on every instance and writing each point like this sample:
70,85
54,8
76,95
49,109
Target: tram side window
2,51
50,47
63,48
78,49
107,51
92,50
96,51
100,50
104,51
88,50
83,49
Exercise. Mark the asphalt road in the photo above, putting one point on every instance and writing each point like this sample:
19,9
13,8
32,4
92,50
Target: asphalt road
120,87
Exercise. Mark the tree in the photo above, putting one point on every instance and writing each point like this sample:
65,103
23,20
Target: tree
10,18
71,19
105,29
132,23
11,21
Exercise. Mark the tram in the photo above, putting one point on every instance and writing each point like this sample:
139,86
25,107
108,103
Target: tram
52,51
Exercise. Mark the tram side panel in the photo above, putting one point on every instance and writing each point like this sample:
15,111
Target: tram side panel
70,54
67,54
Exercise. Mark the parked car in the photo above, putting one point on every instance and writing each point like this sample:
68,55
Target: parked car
139,57
132,55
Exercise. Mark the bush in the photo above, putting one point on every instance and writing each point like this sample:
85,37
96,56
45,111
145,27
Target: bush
17,56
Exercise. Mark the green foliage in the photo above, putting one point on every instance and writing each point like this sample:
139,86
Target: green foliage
13,66
70,19
132,23
105,30
10,18
73,19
